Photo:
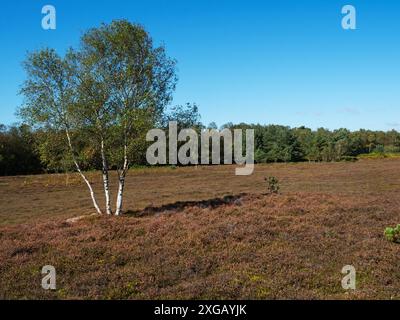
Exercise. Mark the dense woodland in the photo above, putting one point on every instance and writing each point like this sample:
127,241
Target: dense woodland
20,151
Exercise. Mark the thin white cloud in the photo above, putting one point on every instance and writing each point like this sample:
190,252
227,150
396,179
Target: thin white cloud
393,124
347,110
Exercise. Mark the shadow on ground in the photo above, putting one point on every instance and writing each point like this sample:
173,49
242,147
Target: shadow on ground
182,205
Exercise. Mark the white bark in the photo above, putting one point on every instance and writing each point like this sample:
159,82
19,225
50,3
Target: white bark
92,195
121,184
106,182
120,196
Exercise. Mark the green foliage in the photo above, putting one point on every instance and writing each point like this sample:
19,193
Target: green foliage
275,143
136,80
393,234
272,184
260,156
283,144
17,151
187,117
47,144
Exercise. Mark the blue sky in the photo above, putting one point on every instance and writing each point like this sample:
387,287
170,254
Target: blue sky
283,62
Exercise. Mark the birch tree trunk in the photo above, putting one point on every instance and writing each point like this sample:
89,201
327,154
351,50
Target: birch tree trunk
92,195
121,184
106,180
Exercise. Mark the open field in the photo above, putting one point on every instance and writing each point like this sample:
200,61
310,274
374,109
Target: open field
251,245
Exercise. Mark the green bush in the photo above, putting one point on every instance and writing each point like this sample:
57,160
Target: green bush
272,184
393,234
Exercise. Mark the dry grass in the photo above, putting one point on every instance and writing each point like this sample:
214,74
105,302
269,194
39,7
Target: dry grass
257,246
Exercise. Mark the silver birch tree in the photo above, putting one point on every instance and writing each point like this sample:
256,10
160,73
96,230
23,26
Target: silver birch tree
110,91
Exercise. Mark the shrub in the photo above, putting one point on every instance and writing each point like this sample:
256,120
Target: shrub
393,234
272,184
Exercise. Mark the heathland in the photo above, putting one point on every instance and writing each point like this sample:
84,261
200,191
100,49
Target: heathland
202,232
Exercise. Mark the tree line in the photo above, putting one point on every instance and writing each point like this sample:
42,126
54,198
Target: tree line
24,150
275,143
